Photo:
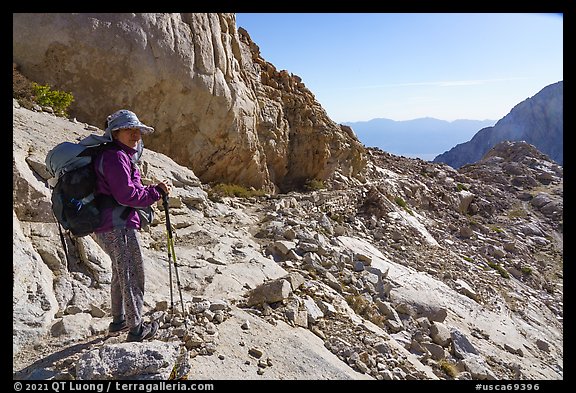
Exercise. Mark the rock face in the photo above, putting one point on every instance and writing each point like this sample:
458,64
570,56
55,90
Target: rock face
538,120
418,272
217,106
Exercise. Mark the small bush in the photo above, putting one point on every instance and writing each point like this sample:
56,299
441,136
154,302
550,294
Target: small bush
517,212
402,203
496,229
448,368
526,270
362,307
499,269
472,221
314,185
358,303
232,190
59,101
461,187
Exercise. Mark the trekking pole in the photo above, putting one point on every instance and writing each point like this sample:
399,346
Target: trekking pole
172,257
168,237
64,246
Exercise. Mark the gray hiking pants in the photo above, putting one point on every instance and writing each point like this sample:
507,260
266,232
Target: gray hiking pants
127,287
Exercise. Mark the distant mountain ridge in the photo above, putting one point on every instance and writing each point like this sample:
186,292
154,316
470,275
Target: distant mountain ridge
538,120
424,137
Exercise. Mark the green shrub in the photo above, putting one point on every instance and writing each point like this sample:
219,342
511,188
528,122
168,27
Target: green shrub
526,270
402,203
499,269
461,187
496,229
448,368
232,190
472,221
59,101
314,185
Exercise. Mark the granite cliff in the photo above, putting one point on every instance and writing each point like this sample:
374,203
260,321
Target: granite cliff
218,107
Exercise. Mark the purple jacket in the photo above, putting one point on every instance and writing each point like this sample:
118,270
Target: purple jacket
117,176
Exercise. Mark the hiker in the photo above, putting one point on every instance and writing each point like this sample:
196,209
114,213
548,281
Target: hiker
118,176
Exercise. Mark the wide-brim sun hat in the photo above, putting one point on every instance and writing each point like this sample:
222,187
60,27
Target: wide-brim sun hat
126,119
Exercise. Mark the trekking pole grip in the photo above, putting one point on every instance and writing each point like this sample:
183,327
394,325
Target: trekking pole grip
165,205
164,196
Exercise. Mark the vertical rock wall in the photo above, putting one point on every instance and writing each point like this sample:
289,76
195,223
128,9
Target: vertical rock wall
217,106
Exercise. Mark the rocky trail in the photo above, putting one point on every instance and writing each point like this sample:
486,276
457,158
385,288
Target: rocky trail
418,272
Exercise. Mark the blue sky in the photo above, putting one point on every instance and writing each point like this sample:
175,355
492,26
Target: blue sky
404,66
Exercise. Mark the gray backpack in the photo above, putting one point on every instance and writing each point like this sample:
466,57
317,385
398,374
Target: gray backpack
73,201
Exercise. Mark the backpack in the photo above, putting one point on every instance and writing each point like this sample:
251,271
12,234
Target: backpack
74,204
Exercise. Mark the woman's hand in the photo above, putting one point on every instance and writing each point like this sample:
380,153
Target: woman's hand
164,186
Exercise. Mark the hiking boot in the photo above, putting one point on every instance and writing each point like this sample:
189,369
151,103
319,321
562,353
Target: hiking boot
116,328
147,330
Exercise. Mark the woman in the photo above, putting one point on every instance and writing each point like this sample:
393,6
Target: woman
119,178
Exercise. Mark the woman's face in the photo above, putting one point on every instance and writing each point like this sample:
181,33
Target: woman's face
129,136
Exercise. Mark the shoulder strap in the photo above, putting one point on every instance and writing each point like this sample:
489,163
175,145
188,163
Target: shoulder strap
94,150
105,200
